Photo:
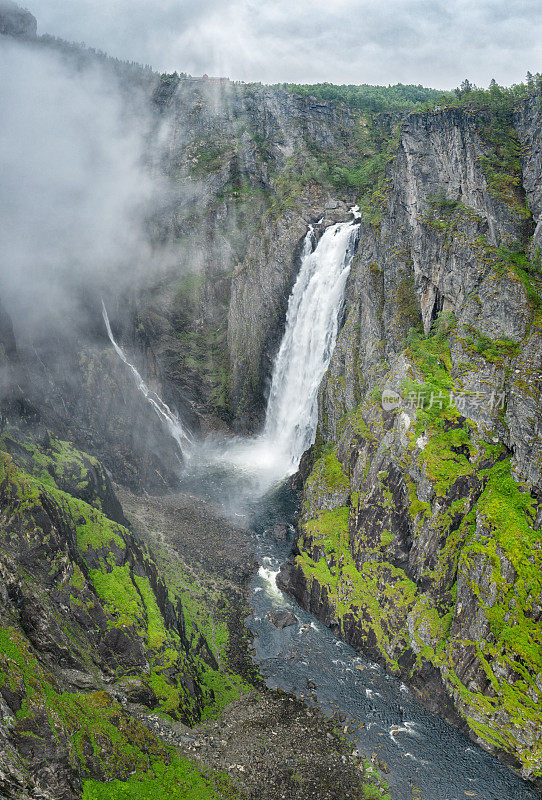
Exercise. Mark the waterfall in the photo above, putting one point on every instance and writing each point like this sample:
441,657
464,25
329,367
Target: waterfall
166,415
237,472
312,323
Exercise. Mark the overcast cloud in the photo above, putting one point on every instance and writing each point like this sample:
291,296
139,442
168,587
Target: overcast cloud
434,42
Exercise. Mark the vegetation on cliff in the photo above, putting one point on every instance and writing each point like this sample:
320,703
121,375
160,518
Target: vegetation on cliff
101,616
372,98
420,537
468,604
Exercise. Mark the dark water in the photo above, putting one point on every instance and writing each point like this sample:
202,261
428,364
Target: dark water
428,758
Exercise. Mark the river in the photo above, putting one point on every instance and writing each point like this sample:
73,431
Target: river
428,758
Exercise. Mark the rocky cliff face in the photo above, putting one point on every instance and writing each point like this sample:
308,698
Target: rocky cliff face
420,539
16,21
245,160
240,185
89,627
78,387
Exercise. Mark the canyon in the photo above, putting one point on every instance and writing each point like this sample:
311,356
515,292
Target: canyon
414,450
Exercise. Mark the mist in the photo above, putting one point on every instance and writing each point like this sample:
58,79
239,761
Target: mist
346,41
76,187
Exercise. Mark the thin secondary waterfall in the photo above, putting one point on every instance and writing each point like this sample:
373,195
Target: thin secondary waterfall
312,324
167,416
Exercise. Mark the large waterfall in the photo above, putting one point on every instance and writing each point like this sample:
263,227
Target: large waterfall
312,324
166,415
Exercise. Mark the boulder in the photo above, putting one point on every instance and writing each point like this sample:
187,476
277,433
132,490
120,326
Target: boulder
282,619
278,532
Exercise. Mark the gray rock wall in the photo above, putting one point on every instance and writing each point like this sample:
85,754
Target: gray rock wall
441,524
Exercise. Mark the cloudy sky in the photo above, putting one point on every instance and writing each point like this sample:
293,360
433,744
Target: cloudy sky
433,42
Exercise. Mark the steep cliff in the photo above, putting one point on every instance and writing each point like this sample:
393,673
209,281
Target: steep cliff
92,631
419,541
246,163
241,176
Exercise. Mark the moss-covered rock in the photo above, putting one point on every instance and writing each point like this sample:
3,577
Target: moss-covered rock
327,485
430,559
89,624
59,464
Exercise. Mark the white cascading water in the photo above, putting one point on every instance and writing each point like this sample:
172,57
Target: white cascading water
312,324
171,420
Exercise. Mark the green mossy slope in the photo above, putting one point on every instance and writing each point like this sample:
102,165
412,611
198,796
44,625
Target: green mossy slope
87,606
431,557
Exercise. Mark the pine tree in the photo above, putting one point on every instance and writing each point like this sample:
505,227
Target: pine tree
465,88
